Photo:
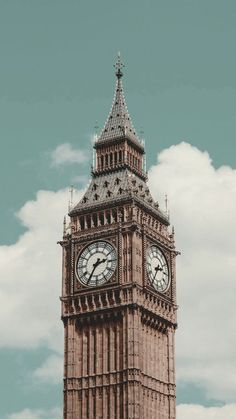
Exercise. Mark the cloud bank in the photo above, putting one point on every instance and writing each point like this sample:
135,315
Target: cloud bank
51,371
184,411
30,276
55,413
187,411
203,208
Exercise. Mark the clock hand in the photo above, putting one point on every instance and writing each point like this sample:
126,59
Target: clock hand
95,265
155,274
157,269
110,252
99,262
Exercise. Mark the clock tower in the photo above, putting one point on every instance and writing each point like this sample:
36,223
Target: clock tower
119,286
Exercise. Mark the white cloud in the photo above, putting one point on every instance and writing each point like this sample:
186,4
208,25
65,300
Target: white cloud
186,411
203,208
66,154
55,413
30,276
51,370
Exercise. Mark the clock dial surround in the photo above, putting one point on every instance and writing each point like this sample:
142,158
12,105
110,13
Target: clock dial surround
157,269
96,263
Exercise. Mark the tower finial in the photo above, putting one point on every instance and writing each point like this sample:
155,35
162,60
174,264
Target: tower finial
70,204
166,205
118,66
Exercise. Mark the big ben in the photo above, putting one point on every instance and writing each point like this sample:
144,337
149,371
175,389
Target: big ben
119,286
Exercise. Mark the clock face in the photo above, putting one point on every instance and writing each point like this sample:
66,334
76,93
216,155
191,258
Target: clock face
96,264
157,269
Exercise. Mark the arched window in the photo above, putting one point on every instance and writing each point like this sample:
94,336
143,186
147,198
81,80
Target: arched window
114,214
101,218
81,220
121,214
95,220
108,217
88,219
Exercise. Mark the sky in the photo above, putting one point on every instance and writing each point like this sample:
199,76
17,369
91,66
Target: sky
56,85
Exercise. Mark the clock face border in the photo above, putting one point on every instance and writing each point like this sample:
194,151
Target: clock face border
92,259
162,263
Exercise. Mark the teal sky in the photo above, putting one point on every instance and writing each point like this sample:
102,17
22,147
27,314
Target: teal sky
57,80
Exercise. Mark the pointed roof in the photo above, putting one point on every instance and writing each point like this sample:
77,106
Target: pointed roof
118,187
119,124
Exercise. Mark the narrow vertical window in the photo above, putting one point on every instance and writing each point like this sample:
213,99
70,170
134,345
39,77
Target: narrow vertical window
88,221
108,349
88,352
115,405
87,405
94,352
114,213
101,218
81,220
108,403
115,348
95,220
108,215
94,406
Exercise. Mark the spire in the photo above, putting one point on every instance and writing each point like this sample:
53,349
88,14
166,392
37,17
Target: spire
118,66
119,124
